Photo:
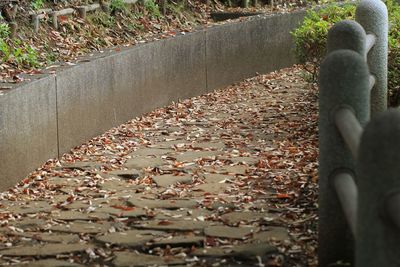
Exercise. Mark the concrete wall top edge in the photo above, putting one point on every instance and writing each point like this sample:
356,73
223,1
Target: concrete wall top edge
111,52
254,18
29,81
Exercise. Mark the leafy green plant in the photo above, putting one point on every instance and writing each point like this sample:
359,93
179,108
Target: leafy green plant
310,38
50,56
103,19
152,8
23,54
4,30
30,57
37,4
176,8
117,6
5,50
394,53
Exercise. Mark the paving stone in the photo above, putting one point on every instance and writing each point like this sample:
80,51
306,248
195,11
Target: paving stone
167,180
212,252
188,168
68,190
246,251
77,215
173,225
114,199
31,207
117,185
56,238
198,123
217,205
179,241
246,160
81,165
251,251
171,143
77,205
236,217
216,177
123,259
122,211
272,232
229,232
214,188
50,263
126,174
44,250
172,129
28,223
212,145
190,156
132,238
210,169
48,237
159,203
59,181
182,214
139,163
82,227
234,170
147,151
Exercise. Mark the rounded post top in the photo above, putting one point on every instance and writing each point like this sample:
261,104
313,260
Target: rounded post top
367,8
347,34
344,68
344,82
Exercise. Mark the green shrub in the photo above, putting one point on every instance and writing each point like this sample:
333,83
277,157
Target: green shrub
4,30
21,55
37,4
310,41
103,19
152,8
310,38
394,53
117,6
5,51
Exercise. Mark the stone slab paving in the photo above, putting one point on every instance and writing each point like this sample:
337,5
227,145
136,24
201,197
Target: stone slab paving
167,179
216,180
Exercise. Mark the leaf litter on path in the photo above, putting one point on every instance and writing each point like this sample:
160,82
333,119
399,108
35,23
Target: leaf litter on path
250,148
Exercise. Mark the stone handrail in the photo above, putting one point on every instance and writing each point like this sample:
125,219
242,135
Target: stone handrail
353,87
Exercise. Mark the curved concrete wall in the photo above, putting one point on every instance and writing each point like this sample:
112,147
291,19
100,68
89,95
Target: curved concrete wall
46,117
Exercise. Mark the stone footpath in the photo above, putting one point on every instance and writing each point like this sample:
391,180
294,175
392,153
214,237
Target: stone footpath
225,179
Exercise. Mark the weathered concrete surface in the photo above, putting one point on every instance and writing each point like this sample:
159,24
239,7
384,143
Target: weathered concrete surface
155,74
238,50
28,129
84,102
95,96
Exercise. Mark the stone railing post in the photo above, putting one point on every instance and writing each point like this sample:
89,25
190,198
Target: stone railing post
343,84
378,168
373,17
